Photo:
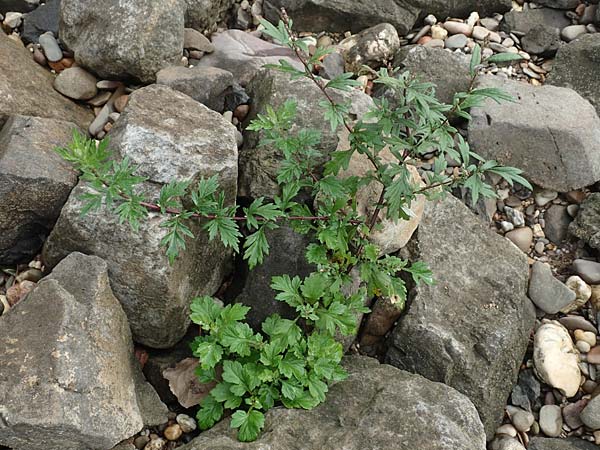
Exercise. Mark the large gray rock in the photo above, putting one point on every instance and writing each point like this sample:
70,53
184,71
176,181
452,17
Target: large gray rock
71,384
26,88
42,19
586,225
551,133
207,85
169,136
471,328
109,38
243,54
205,15
259,165
576,67
35,183
356,15
526,20
377,407
540,443
253,288
447,70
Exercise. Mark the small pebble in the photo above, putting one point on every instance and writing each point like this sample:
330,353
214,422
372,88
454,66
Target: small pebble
140,442
186,423
522,420
582,346
51,48
173,432
551,421
507,429
585,336
156,444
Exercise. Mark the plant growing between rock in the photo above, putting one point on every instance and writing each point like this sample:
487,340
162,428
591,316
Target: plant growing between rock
292,362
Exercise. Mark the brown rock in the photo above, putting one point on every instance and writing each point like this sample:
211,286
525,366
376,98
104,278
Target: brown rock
121,103
593,355
17,292
241,112
521,237
173,432
571,413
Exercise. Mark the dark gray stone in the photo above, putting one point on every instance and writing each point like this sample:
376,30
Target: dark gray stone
71,384
447,70
541,40
18,5
551,133
524,21
559,4
35,183
169,136
26,88
540,443
576,67
586,225
205,15
548,293
108,39
557,223
526,393
259,165
589,271
42,19
377,407
207,85
333,65
471,328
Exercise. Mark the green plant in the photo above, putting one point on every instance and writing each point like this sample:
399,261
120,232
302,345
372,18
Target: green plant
292,362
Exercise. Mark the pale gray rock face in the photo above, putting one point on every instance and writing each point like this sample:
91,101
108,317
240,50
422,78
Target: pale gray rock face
26,89
471,328
35,183
551,133
377,407
259,165
169,136
541,443
108,37
74,383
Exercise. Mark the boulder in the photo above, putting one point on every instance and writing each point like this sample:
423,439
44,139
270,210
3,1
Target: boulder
377,407
42,19
372,47
586,225
253,288
574,443
35,183
169,136
26,88
243,54
576,67
526,20
356,15
551,133
205,15
471,328
259,165
108,39
447,70
71,384
207,85
541,40
18,5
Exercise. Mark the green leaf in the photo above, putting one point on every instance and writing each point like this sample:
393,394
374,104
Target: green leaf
209,353
420,273
232,372
475,60
292,366
249,424
256,248
222,393
234,313
205,311
239,337
343,82
291,389
288,289
504,57
317,387
227,229
170,194
210,412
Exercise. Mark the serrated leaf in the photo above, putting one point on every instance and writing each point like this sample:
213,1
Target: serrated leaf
209,413
249,424
504,57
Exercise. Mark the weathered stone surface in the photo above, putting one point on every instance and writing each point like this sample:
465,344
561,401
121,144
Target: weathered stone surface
18,5
243,54
377,407
372,47
207,85
541,40
26,88
524,21
205,14
42,19
551,133
253,288
169,136
576,67
470,329
259,164
71,383
356,15
548,293
448,71
540,443
109,38
35,182
586,225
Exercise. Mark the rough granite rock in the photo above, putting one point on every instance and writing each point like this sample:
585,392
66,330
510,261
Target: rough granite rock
447,70
35,183
372,47
259,164
356,15
377,407
169,136
586,225
109,38
524,21
576,67
207,85
26,88
71,384
244,55
206,14
471,328
541,443
551,133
